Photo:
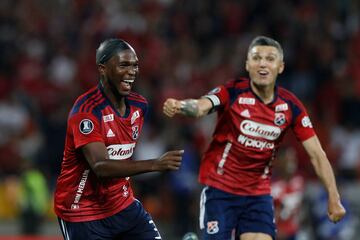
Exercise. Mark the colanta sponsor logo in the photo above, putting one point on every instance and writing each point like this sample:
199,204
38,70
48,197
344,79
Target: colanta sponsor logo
256,129
120,151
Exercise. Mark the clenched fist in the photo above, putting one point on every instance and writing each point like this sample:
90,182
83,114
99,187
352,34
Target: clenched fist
336,211
171,107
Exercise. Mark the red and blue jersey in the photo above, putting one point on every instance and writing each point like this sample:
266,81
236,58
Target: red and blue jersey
247,136
288,197
80,195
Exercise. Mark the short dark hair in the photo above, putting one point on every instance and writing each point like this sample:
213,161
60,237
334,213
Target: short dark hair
108,48
266,41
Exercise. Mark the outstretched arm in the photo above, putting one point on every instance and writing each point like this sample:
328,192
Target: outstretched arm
187,107
324,171
97,156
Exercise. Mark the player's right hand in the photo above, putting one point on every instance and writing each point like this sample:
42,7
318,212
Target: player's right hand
336,211
171,107
169,161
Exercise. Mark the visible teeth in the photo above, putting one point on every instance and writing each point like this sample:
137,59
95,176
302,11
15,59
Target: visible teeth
129,80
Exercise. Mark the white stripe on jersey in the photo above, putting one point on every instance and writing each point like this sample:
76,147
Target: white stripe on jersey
220,169
202,208
215,100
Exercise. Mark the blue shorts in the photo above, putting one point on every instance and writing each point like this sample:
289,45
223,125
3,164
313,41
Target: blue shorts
226,216
131,223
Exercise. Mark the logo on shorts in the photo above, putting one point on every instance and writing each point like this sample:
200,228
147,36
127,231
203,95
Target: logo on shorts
86,126
212,227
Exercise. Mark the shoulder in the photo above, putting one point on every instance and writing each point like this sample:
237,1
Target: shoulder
88,102
288,96
133,96
294,103
138,100
238,83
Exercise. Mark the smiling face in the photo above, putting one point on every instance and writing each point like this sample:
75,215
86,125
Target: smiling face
264,63
120,72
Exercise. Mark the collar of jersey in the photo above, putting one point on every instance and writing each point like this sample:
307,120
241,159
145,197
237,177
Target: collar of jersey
270,103
127,105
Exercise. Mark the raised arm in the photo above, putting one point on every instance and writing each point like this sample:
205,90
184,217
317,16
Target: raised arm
188,107
97,156
324,171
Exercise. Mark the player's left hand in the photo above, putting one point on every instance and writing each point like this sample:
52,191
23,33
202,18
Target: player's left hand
336,211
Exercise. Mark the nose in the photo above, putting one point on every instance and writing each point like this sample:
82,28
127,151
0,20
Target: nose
262,63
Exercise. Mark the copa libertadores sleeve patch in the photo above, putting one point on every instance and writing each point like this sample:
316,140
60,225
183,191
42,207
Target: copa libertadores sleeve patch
86,126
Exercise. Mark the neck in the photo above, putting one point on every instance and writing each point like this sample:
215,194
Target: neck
265,93
113,95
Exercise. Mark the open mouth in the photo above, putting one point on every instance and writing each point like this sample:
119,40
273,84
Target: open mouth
127,83
263,73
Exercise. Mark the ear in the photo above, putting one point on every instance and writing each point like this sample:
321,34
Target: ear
247,66
101,69
282,67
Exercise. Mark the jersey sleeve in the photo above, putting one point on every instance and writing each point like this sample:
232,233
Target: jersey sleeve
85,128
302,126
219,96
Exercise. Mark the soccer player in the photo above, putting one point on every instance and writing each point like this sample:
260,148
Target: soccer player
253,116
93,197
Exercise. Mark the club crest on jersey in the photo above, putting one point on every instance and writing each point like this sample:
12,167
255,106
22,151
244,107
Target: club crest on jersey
245,100
281,107
86,126
212,227
135,115
279,119
135,132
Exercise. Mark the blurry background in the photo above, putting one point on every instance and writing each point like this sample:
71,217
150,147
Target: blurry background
185,48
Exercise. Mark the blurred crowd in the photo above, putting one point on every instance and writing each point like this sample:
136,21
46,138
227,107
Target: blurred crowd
185,48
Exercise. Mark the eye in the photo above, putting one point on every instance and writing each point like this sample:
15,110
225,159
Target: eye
270,58
124,64
256,58
127,65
